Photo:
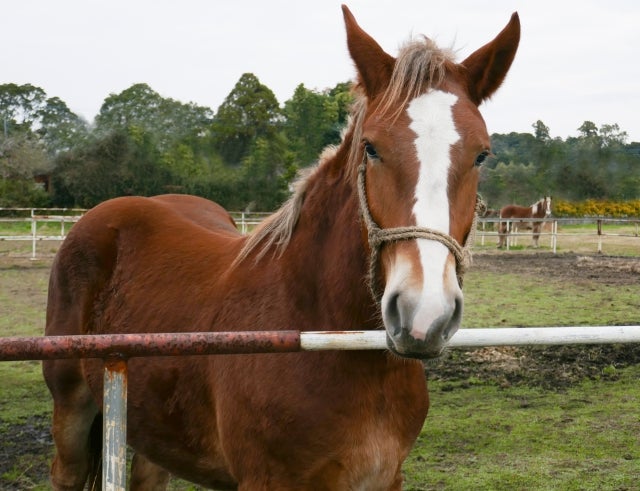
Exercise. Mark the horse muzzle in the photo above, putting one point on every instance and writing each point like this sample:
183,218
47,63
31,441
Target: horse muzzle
420,324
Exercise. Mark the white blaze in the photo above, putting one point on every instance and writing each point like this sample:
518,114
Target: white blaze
432,120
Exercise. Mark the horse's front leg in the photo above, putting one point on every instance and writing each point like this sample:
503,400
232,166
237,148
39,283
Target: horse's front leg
536,234
147,476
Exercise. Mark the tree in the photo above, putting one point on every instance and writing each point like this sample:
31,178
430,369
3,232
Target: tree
20,106
266,173
249,112
165,120
60,128
118,164
314,120
21,158
541,131
611,134
588,130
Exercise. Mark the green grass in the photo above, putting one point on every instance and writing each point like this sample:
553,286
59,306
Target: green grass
487,438
494,300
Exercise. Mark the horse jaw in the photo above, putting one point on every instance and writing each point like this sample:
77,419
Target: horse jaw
421,314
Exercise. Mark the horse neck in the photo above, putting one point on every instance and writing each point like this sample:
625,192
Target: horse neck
537,209
328,248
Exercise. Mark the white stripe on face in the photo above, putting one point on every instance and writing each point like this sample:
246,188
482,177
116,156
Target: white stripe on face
432,120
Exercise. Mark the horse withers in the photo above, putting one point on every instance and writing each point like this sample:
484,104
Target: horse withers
518,216
372,238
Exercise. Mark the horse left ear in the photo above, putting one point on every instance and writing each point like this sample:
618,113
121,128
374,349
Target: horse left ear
374,65
487,68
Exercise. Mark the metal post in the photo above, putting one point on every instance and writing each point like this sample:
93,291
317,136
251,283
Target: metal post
554,236
114,425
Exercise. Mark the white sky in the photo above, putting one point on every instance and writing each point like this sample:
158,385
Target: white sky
578,59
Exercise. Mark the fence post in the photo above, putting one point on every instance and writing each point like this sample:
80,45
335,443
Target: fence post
34,234
114,425
599,222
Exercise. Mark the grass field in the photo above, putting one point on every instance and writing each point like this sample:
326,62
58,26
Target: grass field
499,421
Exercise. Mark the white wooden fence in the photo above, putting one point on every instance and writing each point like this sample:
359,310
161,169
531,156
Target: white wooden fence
246,221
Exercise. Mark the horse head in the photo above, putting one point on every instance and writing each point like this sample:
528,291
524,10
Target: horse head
547,206
420,141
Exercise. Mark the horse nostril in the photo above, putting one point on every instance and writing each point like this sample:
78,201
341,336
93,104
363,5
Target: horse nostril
392,314
454,321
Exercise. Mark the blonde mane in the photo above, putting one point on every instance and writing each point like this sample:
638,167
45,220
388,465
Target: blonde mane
420,65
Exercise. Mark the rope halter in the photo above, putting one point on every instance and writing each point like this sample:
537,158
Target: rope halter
378,236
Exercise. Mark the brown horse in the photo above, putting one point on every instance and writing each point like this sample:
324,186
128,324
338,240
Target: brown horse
324,420
538,210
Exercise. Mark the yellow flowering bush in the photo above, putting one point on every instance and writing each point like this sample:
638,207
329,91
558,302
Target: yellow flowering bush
592,207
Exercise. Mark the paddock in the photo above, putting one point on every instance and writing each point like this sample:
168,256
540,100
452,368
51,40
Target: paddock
116,349
557,267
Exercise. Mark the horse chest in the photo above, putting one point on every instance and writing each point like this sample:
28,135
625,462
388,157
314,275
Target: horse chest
376,461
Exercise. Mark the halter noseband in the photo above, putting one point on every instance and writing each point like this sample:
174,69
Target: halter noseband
378,236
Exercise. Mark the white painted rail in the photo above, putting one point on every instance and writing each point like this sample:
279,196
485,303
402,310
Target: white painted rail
477,338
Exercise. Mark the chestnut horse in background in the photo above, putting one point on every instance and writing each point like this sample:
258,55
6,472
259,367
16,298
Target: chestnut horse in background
370,239
540,209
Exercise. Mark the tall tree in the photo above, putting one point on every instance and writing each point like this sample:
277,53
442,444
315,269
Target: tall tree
314,119
166,120
249,112
541,131
60,128
20,107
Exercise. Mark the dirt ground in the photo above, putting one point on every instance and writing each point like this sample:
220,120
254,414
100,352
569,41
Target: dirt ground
551,368
609,270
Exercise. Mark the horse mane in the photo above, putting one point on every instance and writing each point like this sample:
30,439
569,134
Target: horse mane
420,65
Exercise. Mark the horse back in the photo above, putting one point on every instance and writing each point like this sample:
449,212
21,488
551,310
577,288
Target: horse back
125,252
515,211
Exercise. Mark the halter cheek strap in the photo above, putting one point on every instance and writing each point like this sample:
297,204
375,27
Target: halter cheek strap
378,236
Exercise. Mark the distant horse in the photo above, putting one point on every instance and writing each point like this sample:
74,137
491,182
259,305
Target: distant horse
540,209
370,239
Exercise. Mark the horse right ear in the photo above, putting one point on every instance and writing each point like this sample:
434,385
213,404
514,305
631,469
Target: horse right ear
374,65
488,66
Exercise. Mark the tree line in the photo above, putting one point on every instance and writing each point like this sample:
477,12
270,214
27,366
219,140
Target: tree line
245,154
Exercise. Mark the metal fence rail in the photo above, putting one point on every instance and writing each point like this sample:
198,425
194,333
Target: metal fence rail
115,349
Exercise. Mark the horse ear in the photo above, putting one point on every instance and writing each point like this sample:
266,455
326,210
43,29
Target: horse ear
488,66
374,65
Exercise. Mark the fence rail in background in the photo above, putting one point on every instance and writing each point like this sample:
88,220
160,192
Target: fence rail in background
550,229
246,221
116,348
66,217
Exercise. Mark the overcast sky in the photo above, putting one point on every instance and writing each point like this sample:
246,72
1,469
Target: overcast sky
578,59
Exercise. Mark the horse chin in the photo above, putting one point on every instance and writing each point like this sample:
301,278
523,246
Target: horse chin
410,352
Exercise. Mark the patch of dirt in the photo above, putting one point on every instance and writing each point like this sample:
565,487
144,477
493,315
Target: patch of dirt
609,270
25,453
549,367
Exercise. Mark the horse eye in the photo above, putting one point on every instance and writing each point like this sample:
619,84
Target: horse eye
371,151
481,158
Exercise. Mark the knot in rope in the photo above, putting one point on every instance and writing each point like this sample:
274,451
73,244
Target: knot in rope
378,236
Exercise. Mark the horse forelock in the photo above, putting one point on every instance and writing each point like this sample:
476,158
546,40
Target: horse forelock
420,66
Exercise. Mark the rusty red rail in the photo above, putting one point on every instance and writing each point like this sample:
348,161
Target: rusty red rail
133,345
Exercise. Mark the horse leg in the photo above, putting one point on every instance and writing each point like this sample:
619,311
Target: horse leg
147,476
74,416
502,230
536,235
